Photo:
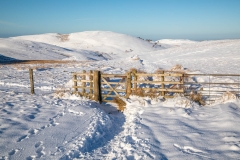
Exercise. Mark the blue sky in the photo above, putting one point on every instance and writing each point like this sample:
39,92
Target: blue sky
149,19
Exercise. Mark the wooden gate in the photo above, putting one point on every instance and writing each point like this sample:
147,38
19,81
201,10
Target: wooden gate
112,86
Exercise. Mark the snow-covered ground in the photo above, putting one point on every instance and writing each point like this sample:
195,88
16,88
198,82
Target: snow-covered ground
54,124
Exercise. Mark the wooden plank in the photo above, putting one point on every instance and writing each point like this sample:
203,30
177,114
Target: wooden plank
83,80
135,77
31,80
113,83
162,89
186,75
81,74
162,84
109,101
157,74
159,82
83,87
118,90
75,83
235,90
106,96
91,81
114,75
128,85
211,83
83,83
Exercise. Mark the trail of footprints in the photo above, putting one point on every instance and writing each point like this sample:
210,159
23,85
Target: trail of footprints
35,131
39,145
52,123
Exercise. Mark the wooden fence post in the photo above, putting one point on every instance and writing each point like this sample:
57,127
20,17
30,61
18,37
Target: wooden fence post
75,82
129,84
182,80
135,79
91,83
31,80
97,86
163,86
84,83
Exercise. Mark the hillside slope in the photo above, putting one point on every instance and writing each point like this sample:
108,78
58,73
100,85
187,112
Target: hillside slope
101,41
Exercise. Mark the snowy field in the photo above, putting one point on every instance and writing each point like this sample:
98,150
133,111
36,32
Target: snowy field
54,124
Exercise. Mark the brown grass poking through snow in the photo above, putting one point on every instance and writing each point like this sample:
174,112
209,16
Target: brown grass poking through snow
226,96
60,92
177,67
121,104
138,92
197,97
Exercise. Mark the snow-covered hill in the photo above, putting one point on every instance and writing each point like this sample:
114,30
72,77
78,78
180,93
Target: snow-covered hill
90,45
98,41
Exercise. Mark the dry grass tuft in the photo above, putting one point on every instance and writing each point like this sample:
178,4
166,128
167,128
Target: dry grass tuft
121,104
197,97
61,92
226,96
138,92
159,71
151,93
177,67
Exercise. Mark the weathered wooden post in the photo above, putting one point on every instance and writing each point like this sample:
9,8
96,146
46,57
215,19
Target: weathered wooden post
135,80
84,83
182,82
97,86
75,82
163,86
129,84
91,82
31,80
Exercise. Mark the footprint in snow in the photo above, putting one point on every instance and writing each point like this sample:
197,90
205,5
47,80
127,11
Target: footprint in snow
22,138
40,152
14,151
30,132
31,158
33,131
38,144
